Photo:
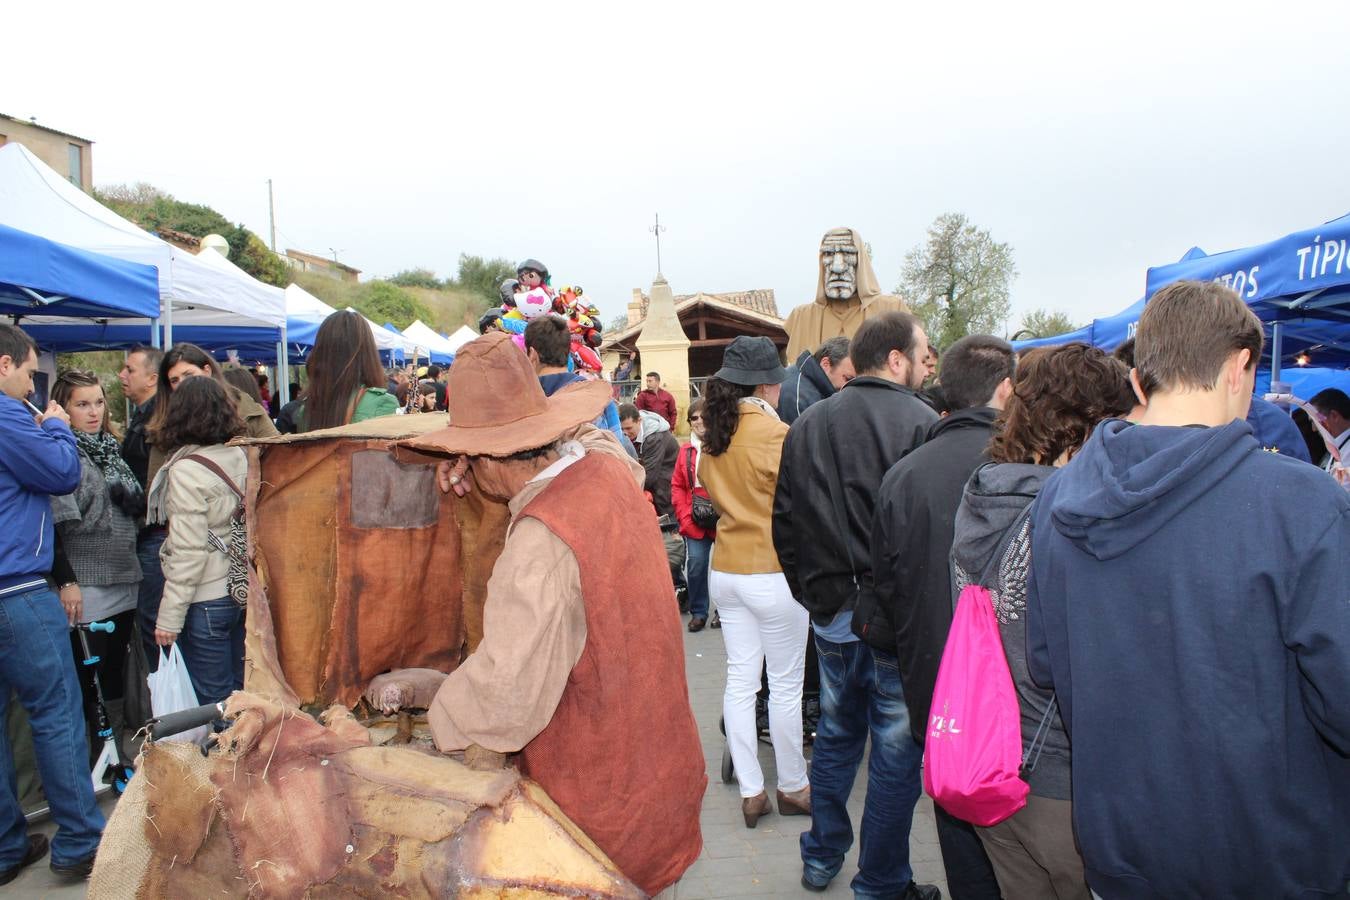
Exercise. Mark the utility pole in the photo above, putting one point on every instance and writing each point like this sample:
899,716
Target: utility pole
271,216
656,230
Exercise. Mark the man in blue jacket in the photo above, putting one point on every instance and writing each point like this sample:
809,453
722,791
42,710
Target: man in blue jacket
38,459
1188,604
814,377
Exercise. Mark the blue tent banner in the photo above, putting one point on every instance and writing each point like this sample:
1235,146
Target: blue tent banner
39,277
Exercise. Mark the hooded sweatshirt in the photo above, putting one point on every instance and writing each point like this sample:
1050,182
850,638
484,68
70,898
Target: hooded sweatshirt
657,451
993,502
806,384
807,326
1189,604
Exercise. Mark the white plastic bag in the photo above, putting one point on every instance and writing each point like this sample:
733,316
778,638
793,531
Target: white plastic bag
171,691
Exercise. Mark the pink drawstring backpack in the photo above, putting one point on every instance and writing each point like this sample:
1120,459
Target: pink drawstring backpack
973,749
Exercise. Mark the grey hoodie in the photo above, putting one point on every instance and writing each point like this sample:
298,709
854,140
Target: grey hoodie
993,501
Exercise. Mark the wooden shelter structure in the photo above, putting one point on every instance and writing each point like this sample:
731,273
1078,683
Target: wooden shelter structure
710,321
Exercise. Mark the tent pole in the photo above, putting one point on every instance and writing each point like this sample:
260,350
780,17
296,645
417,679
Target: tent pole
283,369
1276,351
154,333
168,325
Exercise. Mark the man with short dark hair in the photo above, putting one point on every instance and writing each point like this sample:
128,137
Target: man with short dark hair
1333,406
654,398
815,376
833,461
38,458
658,450
548,343
140,383
1188,605
912,534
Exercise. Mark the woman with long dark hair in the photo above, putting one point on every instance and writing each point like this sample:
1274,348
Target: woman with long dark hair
196,492
97,526
1059,395
184,361
346,380
761,622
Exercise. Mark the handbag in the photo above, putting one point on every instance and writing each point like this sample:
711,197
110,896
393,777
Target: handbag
236,580
702,511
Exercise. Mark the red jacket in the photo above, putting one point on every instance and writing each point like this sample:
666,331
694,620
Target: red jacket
660,401
682,493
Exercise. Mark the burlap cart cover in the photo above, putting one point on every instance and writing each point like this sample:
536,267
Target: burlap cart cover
292,808
359,559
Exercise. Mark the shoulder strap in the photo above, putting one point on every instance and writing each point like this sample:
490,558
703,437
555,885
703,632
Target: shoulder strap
351,410
211,464
689,464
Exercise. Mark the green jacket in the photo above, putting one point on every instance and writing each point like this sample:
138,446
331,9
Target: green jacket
375,402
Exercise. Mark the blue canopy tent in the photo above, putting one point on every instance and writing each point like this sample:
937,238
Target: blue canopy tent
39,277
1298,284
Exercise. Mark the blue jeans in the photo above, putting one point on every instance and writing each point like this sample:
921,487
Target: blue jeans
698,551
152,588
36,663
212,644
860,694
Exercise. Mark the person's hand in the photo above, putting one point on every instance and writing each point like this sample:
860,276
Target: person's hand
72,601
453,475
165,638
54,410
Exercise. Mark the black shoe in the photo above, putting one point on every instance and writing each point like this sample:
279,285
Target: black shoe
37,848
682,595
716,621
814,882
917,891
76,871
697,623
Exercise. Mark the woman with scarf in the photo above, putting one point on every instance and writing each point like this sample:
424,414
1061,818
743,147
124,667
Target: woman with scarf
97,527
742,445
196,492
698,539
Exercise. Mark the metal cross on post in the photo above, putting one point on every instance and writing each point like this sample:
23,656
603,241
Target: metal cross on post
656,230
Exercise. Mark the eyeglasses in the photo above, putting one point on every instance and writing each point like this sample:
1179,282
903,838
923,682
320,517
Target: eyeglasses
695,418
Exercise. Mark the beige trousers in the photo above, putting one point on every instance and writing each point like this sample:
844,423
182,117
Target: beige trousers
1034,854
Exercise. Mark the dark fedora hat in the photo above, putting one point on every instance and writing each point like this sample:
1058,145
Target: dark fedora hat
751,360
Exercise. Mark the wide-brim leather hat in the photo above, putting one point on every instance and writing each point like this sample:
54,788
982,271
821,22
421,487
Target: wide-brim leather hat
751,361
497,407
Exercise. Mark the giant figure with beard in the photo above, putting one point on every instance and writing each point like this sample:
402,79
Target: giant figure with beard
847,294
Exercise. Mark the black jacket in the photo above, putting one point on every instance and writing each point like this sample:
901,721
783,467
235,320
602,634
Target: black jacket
806,385
657,453
135,447
824,546
911,548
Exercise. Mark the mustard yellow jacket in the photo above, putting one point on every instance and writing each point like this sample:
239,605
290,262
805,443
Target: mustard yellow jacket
741,484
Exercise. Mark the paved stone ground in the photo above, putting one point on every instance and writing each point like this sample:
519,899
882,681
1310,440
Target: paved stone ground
736,861
764,861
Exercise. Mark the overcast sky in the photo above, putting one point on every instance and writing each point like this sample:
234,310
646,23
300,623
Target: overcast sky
1095,146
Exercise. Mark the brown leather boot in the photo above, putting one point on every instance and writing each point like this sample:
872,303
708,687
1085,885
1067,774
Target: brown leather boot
754,807
798,803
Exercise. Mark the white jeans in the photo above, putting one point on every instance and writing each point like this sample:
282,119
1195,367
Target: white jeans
760,621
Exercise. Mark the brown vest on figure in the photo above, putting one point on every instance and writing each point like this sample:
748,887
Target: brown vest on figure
621,755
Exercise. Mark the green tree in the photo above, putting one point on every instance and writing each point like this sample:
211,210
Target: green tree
385,302
419,278
484,276
958,283
155,210
1047,323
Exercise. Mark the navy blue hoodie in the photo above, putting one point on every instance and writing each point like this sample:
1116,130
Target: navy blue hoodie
1190,602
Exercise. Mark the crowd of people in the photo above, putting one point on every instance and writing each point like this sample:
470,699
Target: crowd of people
1166,570
1170,599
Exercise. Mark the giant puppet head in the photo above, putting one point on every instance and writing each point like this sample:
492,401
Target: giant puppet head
839,263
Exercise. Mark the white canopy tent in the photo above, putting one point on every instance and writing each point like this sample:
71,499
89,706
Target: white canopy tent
428,340
193,292
302,305
462,336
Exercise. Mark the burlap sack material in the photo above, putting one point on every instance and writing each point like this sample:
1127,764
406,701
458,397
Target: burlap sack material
291,808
